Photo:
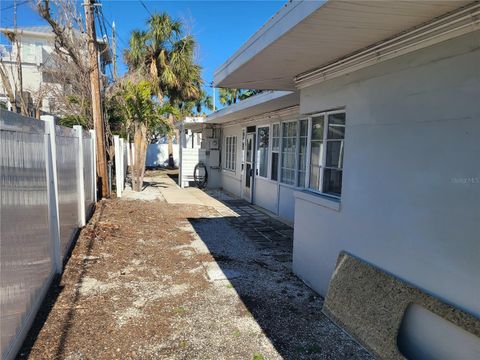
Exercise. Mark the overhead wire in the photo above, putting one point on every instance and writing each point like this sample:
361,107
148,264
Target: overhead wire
145,7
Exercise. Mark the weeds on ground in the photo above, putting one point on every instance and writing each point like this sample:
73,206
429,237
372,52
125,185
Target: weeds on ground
180,310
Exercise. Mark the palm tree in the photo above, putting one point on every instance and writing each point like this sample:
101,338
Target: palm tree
165,55
231,96
145,115
228,96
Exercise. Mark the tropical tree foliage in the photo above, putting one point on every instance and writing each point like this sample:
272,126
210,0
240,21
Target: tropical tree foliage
165,55
231,96
143,115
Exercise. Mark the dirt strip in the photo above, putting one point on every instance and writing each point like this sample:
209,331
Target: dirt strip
152,280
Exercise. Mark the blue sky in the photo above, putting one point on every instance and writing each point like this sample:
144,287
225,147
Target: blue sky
220,27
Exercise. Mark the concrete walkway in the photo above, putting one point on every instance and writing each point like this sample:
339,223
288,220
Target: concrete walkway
264,229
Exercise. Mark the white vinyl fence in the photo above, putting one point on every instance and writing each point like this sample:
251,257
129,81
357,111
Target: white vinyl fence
157,155
190,158
47,191
121,163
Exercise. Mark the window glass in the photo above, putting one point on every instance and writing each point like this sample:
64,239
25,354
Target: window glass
336,126
275,137
332,182
334,154
275,157
262,150
302,152
289,142
230,152
326,153
275,151
317,127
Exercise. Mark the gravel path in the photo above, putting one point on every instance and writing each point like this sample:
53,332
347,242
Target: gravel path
152,280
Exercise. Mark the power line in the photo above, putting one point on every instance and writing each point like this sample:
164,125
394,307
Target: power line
103,30
13,5
145,6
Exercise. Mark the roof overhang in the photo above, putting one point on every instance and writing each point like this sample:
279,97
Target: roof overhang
305,35
256,105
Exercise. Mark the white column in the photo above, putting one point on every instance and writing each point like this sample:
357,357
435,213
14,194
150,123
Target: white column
52,184
94,165
118,165
81,183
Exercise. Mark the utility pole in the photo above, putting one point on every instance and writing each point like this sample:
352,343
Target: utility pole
114,46
98,124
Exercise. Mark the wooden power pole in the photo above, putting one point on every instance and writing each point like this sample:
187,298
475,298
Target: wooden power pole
114,49
96,100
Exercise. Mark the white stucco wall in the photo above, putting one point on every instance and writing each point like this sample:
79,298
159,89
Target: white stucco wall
411,187
266,194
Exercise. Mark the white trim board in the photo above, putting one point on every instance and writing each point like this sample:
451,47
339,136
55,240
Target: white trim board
461,22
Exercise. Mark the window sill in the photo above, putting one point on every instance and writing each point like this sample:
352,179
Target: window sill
318,199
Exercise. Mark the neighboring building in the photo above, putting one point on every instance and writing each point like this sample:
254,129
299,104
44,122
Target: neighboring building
37,54
375,152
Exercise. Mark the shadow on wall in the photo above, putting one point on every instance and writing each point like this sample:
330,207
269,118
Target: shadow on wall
157,155
286,310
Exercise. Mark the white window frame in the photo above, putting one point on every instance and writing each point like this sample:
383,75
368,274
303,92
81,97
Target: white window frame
325,115
279,152
297,154
257,162
297,123
230,159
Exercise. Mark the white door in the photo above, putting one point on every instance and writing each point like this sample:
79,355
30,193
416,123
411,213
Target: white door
248,174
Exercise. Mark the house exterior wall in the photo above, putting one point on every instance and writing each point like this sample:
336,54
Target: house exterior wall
271,195
411,184
231,181
266,194
33,50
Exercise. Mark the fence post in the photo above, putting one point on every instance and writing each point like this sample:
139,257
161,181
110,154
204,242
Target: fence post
180,155
129,154
52,184
81,183
121,152
132,152
118,165
94,165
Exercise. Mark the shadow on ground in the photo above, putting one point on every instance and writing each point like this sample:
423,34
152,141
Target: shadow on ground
258,266
51,298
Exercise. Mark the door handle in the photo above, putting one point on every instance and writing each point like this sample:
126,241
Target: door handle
251,172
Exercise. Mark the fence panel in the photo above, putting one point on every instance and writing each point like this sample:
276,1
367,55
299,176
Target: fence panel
26,263
88,173
42,170
67,153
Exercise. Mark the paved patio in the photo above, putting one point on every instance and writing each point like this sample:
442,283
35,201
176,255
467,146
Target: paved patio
176,273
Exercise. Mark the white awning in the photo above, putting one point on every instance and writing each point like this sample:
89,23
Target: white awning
262,103
305,35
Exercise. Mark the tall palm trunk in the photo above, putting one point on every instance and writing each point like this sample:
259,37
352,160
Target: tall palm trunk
140,140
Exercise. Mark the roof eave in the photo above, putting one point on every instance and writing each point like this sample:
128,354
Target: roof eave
286,18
